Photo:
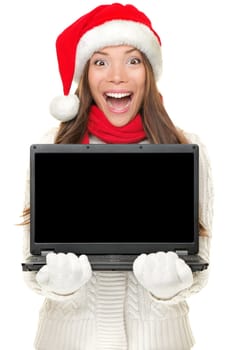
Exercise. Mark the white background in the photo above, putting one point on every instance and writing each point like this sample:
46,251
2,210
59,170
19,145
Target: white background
197,89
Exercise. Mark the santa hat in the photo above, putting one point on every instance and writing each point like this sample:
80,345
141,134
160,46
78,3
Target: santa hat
105,25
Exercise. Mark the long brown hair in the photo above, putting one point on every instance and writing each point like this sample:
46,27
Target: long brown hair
158,126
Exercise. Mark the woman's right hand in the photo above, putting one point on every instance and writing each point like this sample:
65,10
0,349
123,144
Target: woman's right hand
63,273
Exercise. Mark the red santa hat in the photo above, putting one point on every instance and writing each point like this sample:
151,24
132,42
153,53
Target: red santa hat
105,25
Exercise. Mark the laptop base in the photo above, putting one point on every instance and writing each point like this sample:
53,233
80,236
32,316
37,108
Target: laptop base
114,262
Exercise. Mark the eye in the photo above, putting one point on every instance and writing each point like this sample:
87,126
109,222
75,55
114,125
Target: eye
99,62
134,60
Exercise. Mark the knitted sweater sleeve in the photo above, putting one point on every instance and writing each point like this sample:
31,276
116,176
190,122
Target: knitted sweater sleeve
30,276
200,278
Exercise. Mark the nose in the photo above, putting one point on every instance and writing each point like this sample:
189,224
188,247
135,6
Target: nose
117,74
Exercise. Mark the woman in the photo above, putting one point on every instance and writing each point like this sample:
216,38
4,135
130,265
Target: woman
114,55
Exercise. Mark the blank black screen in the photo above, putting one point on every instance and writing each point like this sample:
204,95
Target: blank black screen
113,197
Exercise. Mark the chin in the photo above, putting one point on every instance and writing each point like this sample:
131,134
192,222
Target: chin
119,121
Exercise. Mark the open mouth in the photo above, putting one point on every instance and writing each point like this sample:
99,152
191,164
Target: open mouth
118,101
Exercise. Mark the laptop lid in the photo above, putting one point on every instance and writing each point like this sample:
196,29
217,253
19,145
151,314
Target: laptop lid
114,199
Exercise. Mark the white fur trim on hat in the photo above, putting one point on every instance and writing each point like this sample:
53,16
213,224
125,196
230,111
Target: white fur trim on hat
64,108
119,32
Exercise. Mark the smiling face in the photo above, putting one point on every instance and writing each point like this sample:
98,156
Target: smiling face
116,78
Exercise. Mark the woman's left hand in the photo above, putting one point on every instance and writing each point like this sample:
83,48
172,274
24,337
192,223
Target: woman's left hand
163,274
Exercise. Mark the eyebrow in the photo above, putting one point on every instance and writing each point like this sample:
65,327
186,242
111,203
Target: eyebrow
106,54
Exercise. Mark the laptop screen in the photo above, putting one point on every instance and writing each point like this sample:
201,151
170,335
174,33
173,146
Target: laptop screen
100,197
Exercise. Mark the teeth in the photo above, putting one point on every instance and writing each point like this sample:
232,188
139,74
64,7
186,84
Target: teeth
117,94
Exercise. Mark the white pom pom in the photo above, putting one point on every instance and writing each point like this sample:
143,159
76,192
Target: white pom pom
64,108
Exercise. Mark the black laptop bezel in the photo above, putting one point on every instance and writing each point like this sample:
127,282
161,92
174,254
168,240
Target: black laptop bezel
116,247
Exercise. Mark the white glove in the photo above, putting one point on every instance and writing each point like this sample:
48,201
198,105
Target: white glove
64,273
162,274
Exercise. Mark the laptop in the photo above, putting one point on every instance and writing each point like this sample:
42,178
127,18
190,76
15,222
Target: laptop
113,202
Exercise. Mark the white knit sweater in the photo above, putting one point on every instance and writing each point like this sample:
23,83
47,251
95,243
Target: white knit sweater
113,311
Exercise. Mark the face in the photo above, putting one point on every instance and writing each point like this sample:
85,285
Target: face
116,78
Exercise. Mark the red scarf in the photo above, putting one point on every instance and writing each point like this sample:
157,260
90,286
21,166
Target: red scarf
99,126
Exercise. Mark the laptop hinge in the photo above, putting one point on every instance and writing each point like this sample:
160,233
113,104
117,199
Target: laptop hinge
45,252
181,252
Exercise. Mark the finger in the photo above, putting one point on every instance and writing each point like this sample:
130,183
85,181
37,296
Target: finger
74,263
184,273
160,255
51,259
42,275
63,265
172,257
73,260
138,265
83,260
86,267
158,262
61,260
152,260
